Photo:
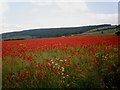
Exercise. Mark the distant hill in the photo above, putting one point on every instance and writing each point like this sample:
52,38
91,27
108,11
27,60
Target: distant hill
103,30
118,27
51,32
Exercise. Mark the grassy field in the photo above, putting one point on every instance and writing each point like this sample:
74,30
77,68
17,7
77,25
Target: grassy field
106,32
86,61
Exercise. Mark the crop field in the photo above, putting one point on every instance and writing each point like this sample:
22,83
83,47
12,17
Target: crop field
84,61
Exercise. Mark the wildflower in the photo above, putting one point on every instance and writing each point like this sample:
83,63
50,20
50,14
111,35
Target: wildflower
48,63
56,64
67,75
73,53
96,62
61,60
108,50
35,65
43,65
58,60
68,64
79,71
56,73
75,67
65,60
52,62
62,73
63,76
21,75
50,66
83,53
93,50
62,69
9,77
46,60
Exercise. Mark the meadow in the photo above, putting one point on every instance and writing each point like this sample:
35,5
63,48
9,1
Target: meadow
84,61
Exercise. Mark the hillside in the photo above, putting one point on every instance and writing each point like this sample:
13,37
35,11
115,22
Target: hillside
104,30
53,32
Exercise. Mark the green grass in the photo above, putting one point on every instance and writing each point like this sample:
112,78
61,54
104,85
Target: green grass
109,31
80,72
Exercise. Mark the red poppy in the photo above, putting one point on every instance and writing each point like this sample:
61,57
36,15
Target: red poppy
75,67
46,60
68,64
35,65
9,77
96,62
21,75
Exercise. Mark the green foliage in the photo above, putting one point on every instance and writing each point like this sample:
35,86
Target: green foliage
82,72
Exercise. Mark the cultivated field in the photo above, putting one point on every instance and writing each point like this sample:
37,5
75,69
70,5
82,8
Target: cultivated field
64,62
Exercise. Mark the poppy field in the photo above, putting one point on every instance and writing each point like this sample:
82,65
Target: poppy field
63,62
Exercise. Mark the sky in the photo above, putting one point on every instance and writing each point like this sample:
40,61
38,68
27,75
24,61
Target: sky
30,14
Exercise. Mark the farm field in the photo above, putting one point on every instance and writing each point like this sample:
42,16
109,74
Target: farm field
64,62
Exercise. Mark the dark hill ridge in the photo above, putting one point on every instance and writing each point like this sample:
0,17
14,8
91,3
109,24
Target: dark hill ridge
49,32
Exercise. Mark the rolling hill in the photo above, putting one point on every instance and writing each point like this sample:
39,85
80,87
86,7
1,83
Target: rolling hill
54,32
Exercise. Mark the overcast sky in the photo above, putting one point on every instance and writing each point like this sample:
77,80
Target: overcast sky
18,16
